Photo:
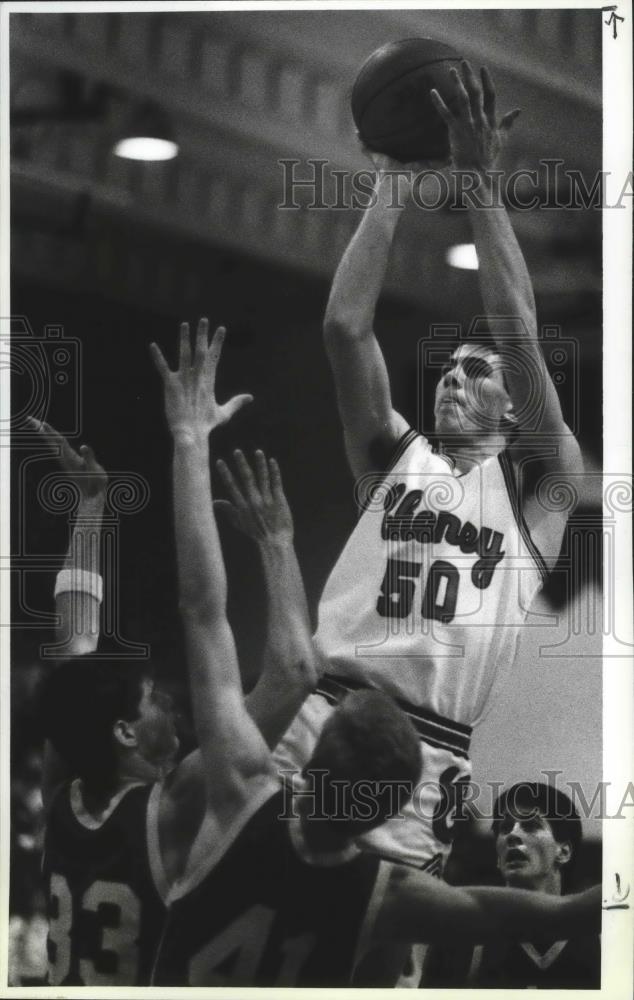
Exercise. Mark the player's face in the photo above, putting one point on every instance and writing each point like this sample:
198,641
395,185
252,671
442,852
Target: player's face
471,396
528,854
155,727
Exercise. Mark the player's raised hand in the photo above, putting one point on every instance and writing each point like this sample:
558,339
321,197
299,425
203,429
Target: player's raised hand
82,467
258,504
191,407
475,136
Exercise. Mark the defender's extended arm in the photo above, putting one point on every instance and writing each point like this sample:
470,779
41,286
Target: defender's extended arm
290,671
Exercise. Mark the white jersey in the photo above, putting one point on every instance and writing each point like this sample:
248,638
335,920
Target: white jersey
427,597
425,603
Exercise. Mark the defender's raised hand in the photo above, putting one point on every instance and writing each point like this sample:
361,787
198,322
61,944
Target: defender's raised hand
291,665
191,407
82,467
258,505
474,136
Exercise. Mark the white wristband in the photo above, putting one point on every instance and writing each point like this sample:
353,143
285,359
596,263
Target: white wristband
81,581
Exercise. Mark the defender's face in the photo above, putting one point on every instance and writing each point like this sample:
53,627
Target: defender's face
155,727
528,854
471,396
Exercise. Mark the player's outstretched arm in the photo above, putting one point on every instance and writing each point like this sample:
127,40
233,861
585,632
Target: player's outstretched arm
476,139
78,586
419,907
230,743
361,378
290,668
521,914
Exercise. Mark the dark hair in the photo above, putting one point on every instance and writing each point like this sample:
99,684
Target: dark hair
368,755
485,341
80,701
555,806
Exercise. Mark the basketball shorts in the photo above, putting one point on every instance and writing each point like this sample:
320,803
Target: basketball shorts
422,835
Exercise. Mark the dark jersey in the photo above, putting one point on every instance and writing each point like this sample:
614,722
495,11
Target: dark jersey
262,915
573,964
105,889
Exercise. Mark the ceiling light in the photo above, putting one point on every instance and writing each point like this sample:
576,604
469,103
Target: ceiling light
147,135
464,256
146,147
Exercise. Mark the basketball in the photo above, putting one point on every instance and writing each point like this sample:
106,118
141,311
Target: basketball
391,103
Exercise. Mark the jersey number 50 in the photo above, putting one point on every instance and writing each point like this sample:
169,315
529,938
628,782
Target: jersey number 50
399,584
